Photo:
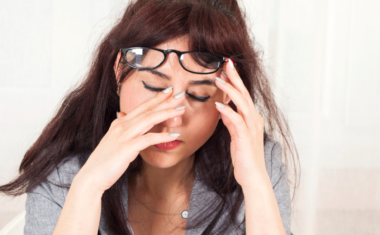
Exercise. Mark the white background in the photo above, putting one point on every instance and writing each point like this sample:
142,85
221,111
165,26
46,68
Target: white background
324,59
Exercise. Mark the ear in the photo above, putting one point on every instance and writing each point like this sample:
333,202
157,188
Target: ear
116,64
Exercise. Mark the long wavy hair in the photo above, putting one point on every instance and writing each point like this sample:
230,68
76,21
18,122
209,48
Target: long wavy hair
86,112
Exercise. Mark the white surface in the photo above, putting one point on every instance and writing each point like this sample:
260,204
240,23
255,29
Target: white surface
15,226
323,57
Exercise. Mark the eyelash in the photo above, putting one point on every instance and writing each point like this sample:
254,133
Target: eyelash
200,99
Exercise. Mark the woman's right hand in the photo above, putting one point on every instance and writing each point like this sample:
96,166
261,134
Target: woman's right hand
126,138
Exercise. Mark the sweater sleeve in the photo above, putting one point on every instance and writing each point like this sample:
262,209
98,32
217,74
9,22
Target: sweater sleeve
280,186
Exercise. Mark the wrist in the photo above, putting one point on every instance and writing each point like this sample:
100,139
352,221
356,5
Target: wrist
256,181
86,185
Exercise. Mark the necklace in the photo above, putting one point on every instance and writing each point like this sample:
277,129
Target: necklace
184,213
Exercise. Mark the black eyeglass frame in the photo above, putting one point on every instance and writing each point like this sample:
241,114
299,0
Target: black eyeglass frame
221,59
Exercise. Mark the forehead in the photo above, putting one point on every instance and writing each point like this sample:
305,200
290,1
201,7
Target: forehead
180,44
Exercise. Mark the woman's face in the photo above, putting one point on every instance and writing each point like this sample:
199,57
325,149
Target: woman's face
198,122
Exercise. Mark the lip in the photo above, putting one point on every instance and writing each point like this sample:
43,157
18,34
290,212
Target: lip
168,145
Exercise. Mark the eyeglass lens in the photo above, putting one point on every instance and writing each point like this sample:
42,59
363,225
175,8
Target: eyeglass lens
194,61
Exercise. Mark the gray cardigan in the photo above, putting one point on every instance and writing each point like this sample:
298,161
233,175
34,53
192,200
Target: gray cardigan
44,203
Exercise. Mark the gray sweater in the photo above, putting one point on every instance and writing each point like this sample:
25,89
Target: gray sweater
44,203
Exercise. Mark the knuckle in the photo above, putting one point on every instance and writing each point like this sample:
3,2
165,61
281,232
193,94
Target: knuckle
118,128
167,112
246,113
170,111
113,123
240,119
145,104
149,111
148,138
246,94
148,116
246,103
169,102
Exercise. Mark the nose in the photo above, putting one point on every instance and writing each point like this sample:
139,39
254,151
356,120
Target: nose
172,59
173,122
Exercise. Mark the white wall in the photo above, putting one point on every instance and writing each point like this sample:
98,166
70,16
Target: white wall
323,55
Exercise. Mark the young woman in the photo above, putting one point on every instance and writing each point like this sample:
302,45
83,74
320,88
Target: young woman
165,135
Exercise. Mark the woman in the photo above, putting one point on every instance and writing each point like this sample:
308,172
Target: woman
187,153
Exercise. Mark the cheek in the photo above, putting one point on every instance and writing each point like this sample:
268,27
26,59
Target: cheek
131,96
203,124
204,119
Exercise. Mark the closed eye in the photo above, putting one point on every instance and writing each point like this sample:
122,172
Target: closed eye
156,89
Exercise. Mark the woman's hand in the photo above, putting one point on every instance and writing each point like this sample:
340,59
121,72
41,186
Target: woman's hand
246,128
126,138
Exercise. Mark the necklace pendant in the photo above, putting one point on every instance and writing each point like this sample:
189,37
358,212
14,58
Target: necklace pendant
184,214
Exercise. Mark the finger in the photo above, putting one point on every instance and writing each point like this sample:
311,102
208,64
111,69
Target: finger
167,104
144,141
241,130
153,107
230,127
118,119
149,104
237,82
144,122
240,102
235,79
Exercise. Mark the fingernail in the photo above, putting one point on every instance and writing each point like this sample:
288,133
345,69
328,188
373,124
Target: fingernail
224,74
117,114
219,104
180,107
174,134
231,63
167,89
179,94
220,80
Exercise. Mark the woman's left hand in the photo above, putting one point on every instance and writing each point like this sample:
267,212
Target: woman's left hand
246,128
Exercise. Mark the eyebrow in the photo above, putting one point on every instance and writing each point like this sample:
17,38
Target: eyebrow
210,82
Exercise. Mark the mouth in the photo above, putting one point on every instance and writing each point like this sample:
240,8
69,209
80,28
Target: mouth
169,145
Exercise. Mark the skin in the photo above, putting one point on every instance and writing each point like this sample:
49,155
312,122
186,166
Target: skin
246,127
165,184
168,173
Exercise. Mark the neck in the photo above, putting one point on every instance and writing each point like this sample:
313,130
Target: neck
168,183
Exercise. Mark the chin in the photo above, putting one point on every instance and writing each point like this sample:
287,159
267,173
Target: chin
159,159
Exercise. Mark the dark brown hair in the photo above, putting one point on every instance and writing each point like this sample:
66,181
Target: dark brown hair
215,26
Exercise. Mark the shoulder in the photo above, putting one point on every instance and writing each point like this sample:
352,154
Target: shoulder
62,175
69,167
44,202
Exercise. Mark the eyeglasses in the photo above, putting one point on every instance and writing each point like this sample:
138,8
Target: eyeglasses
146,58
